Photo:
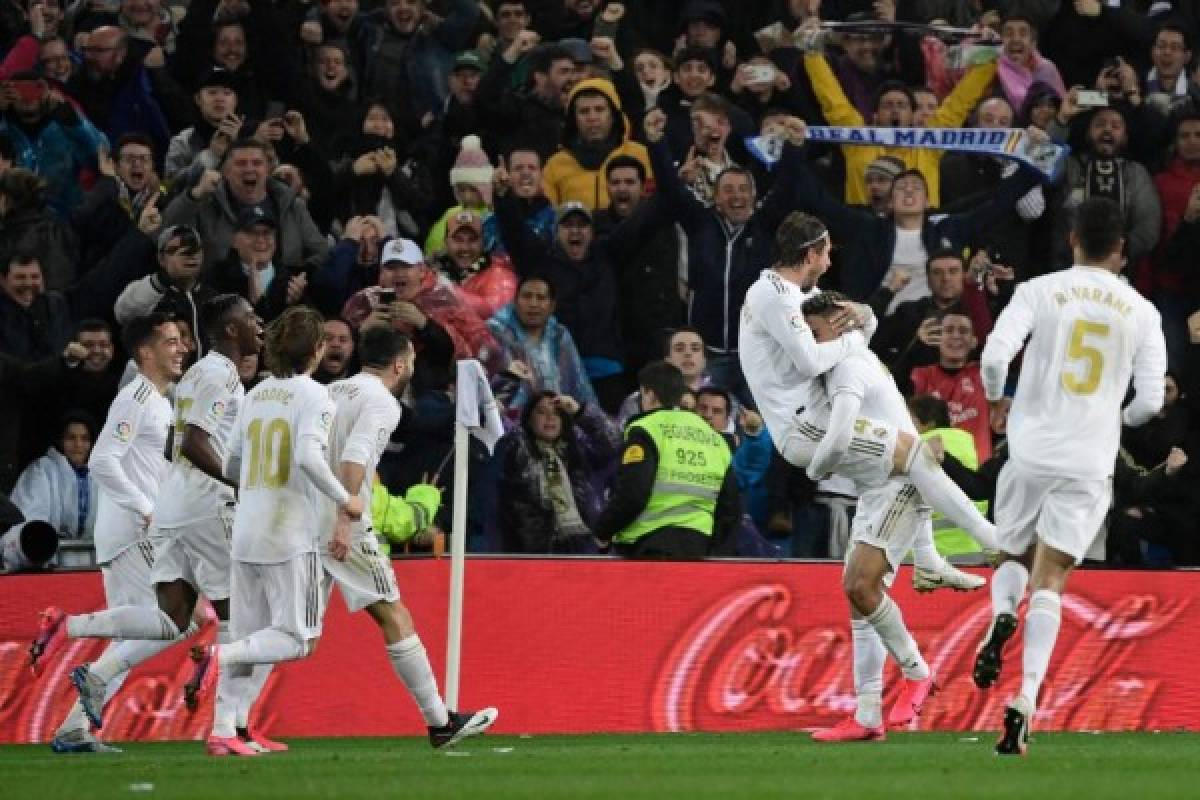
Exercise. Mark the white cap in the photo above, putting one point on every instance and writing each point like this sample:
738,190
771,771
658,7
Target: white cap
402,250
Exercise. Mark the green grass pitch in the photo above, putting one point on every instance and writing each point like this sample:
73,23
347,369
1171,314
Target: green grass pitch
756,765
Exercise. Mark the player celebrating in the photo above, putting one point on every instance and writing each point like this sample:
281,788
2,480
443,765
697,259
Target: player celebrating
885,525
367,413
128,464
194,508
1088,332
780,359
278,450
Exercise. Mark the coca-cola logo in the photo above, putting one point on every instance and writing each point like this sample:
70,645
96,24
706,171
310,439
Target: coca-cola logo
751,662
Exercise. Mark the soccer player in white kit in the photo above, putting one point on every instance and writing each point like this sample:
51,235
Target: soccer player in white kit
886,523
367,413
128,463
192,515
278,451
780,358
1088,332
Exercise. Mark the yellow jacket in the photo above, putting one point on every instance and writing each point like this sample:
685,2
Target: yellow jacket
564,179
838,110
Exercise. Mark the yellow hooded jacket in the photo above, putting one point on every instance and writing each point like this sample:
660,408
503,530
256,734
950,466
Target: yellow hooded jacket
564,179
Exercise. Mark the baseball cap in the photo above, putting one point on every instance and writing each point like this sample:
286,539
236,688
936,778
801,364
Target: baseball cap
887,165
579,49
574,207
464,219
188,237
218,76
255,215
469,59
404,251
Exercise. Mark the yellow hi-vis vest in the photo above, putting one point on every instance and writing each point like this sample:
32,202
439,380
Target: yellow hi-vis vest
692,462
949,538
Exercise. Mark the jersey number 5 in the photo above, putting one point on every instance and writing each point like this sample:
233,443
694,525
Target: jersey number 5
270,454
1078,350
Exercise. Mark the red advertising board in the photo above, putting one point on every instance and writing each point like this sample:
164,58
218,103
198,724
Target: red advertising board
593,646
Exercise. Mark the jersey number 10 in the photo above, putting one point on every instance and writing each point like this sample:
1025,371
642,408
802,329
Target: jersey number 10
1079,350
270,454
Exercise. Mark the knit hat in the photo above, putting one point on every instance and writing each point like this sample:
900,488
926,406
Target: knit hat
886,165
473,168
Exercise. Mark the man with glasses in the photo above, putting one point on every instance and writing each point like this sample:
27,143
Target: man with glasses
1170,56
127,186
175,287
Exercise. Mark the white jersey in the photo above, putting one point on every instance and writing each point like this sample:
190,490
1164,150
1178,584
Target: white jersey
279,506
128,463
208,396
778,353
366,415
863,375
1088,333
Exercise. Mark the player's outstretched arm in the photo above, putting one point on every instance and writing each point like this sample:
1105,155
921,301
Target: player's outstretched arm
1149,374
1006,339
836,441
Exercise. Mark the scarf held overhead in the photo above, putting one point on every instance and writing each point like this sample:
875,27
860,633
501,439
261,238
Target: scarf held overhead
1011,143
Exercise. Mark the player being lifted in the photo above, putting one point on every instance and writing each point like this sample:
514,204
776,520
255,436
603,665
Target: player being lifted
367,413
780,359
278,451
889,517
128,464
192,515
1088,332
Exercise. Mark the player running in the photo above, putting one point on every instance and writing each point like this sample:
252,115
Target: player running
278,450
367,413
128,464
780,359
1088,332
193,512
886,523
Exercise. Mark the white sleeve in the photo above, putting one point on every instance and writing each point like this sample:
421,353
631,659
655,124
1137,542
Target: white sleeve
34,493
371,430
847,390
787,326
120,429
1149,374
1006,340
211,399
233,458
313,438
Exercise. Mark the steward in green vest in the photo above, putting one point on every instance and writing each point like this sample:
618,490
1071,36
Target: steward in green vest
949,538
676,491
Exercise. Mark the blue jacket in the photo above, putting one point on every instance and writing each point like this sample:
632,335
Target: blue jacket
57,152
723,261
554,361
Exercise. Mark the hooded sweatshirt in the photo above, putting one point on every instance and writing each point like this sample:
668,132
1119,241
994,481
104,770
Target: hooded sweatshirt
576,171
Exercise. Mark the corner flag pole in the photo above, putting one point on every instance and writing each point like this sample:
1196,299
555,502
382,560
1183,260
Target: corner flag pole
458,564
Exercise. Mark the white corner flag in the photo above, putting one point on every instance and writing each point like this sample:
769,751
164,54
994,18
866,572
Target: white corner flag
476,413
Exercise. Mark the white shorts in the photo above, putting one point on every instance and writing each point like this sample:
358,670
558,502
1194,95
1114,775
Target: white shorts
127,580
889,518
285,596
1064,513
364,578
868,459
197,554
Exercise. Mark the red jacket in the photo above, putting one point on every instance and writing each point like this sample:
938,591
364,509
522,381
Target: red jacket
1174,186
962,392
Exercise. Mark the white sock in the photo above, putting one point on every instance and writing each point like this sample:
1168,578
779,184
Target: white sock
1041,631
940,492
267,646
888,622
869,655
925,553
225,702
1008,587
250,688
411,664
123,622
76,720
125,655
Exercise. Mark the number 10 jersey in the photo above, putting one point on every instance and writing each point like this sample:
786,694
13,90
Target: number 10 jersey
279,507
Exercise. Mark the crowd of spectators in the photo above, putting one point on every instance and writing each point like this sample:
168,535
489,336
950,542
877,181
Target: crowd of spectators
480,174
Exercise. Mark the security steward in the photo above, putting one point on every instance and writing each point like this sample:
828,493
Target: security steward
676,492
